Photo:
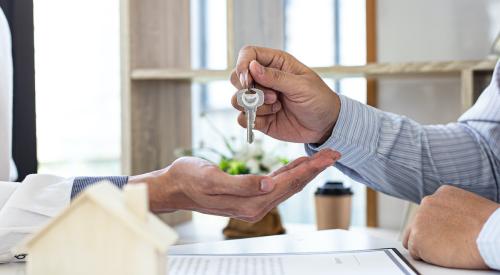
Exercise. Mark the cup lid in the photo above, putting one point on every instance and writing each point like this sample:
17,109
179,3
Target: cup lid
334,188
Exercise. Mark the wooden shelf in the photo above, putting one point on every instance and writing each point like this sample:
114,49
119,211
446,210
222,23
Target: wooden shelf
370,70
177,74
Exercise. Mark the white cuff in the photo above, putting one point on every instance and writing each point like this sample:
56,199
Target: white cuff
34,202
488,241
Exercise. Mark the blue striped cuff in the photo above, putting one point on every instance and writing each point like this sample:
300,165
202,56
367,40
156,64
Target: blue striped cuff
80,183
355,134
488,241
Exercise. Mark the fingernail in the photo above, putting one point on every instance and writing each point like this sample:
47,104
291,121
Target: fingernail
243,79
335,155
276,107
259,68
269,98
266,185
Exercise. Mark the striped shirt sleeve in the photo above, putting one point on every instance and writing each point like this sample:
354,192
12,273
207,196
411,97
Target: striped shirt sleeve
397,156
80,183
488,241
400,157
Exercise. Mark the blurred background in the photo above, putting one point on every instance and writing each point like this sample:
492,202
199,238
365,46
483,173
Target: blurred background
88,89
81,52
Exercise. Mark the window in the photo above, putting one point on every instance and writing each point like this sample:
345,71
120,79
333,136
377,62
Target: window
77,68
339,38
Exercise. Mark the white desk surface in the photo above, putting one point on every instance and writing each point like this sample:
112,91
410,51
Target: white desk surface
319,241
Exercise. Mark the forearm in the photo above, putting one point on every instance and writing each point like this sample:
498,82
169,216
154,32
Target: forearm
163,197
26,206
398,156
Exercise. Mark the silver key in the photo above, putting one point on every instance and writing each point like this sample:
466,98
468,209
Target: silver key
250,99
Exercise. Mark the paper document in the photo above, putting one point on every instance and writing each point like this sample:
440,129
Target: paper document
380,261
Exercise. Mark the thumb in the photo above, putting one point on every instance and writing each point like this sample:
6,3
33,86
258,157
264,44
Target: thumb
273,78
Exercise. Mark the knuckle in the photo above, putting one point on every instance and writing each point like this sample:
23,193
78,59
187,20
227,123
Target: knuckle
276,75
416,234
280,59
206,186
246,48
413,252
445,189
427,200
177,164
207,175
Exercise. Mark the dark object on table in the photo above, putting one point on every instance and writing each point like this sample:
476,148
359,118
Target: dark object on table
269,225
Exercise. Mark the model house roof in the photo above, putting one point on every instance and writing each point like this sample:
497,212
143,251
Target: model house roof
129,207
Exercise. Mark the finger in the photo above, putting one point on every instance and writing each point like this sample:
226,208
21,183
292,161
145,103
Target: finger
249,53
266,109
289,166
272,58
301,174
221,183
290,191
275,79
235,80
269,109
406,237
270,96
286,186
413,249
261,122
234,102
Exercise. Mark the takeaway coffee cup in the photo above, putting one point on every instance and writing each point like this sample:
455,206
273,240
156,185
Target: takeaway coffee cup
333,206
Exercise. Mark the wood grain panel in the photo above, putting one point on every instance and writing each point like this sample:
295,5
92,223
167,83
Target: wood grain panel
156,113
160,34
160,123
372,98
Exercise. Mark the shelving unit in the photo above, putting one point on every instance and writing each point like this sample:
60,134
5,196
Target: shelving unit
473,73
157,74
370,70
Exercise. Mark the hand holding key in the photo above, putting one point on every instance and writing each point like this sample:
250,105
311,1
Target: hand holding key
298,105
250,99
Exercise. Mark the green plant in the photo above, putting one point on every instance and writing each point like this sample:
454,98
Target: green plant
245,159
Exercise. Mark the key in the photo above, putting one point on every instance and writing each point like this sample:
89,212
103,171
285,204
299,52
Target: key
250,99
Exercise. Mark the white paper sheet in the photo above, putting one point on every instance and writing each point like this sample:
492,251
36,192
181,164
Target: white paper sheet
383,261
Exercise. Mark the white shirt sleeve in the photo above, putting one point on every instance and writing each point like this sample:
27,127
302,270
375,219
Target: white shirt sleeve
26,206
488,241
6,78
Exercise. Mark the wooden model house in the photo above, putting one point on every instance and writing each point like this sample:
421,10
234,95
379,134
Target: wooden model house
104,231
